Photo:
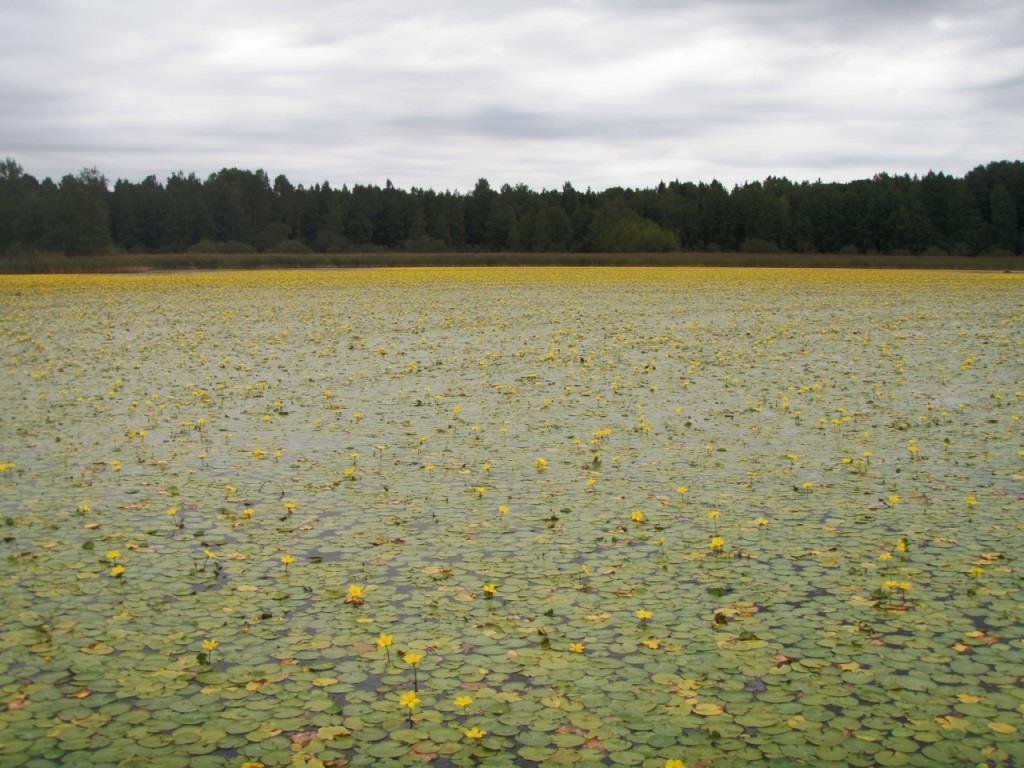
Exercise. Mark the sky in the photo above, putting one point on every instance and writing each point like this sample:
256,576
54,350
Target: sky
438,94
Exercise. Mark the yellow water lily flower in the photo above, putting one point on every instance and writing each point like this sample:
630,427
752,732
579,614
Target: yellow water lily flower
474,733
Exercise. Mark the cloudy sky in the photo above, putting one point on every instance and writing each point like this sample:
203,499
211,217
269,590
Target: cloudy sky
437,94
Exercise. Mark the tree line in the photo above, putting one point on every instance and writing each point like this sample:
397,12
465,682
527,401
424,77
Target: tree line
240,211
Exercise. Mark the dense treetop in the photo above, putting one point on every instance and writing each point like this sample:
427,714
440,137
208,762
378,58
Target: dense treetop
239,210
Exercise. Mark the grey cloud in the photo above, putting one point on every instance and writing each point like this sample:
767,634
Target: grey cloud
595,91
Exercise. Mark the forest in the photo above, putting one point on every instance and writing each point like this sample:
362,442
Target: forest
242,211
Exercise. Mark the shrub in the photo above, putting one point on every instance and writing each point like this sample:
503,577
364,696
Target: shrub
221,246
758,245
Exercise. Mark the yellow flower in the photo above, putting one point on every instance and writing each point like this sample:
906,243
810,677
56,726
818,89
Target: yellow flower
761,521
84,507
173,511
901,545
885,556
682,489
210,555
250,764
409,700
475,733
355,594
541,464
230,488
651,643
644,614
808,485
713,514
480,490
290,506
384,640
717,542
210,645
287,559
116,571
867,454
673,763
894,499
577,647
971,501
463,701
412,659
637,516
116,465
113,554
248,512
7,466
503,509
490,589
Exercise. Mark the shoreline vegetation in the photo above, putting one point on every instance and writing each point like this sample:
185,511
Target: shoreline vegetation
240,219
57,263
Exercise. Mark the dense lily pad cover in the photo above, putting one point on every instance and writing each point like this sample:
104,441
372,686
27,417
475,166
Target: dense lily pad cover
512,517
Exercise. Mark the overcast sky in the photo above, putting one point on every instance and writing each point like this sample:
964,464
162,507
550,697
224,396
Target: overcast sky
438,93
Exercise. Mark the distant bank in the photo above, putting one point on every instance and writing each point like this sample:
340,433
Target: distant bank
142,262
